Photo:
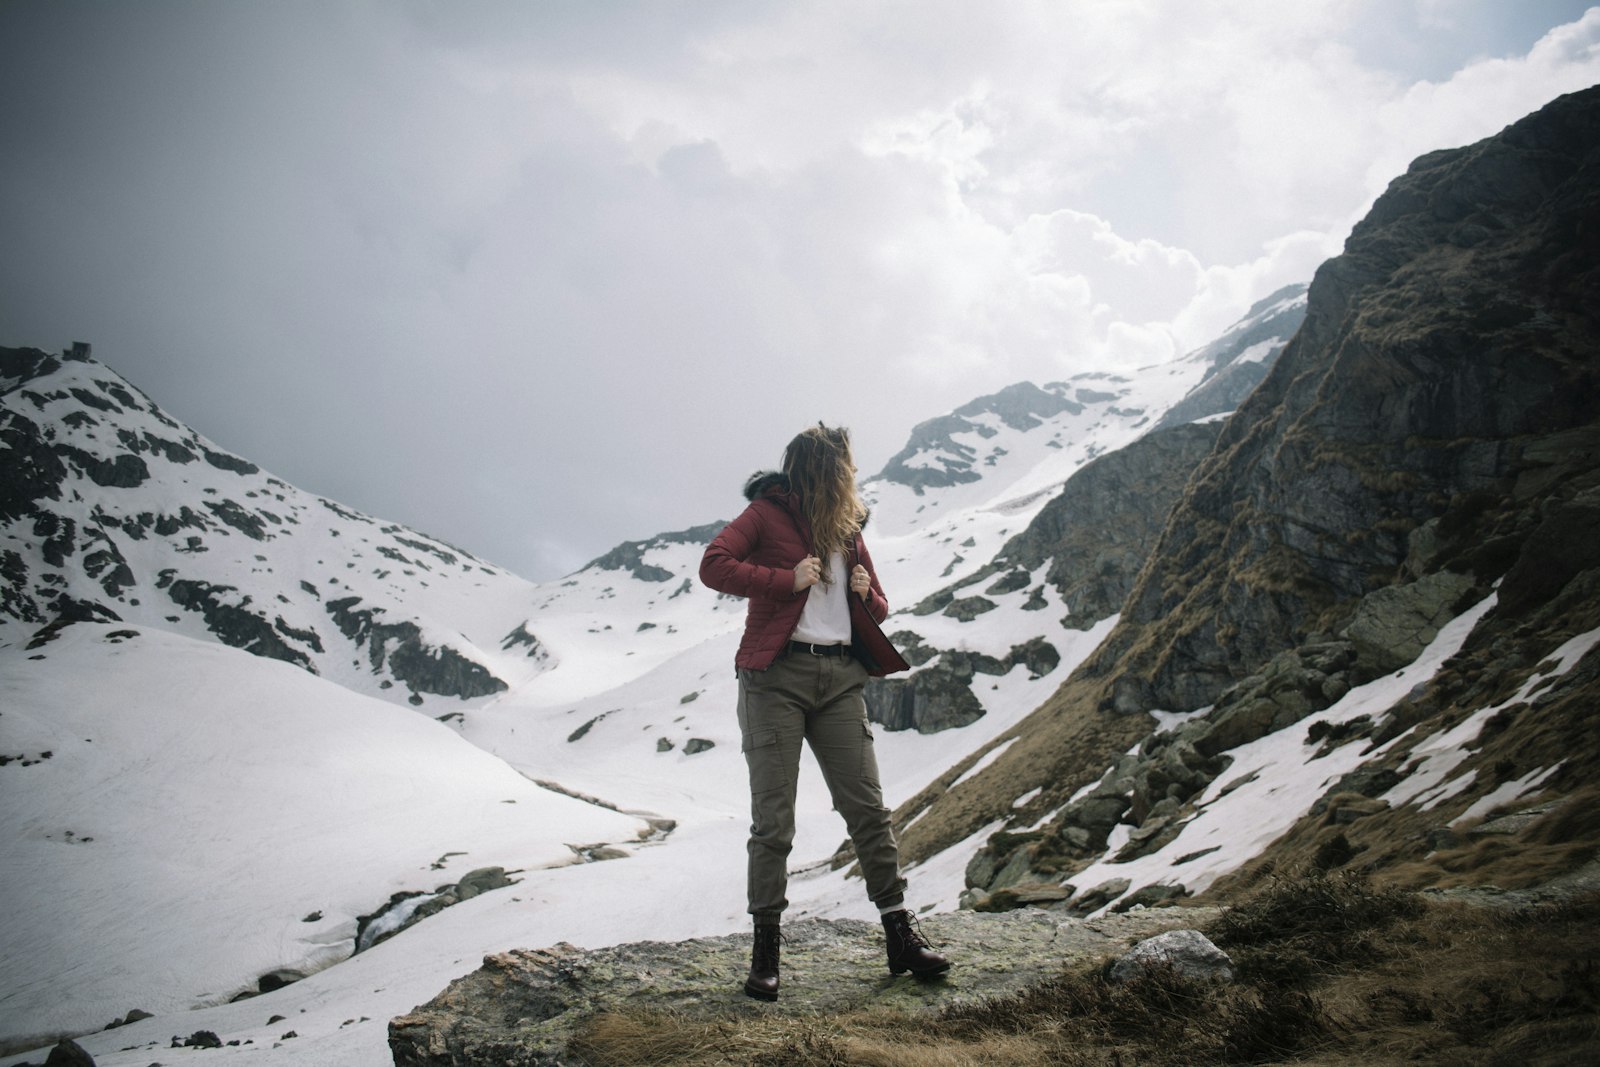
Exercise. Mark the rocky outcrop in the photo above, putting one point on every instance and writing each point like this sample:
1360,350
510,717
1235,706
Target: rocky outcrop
399,648
1442,358
112,510
1241,358
629,556
1099,530
941,460
522,1007
939,696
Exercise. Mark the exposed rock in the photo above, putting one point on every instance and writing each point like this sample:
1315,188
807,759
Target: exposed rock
229,617
68,1054
968,608
123,471
522,1007
1266,328
939,696
274,980
1364,781
1393,625
1031,894
424,668
1150,896
629,555
1099,530
1188,952
697,744
133,1016
482,880
1454,334
1101,895
1510,823
942,460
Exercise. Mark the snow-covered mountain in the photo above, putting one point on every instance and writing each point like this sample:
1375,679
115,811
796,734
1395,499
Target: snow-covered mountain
111,510
1152,642
143,562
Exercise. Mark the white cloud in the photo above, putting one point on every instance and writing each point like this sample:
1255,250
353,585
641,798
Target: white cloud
565,248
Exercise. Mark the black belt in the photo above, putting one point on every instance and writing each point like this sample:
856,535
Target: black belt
819,650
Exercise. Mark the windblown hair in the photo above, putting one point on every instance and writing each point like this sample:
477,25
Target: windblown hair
821,470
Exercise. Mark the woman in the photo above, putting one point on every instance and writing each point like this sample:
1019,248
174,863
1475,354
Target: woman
796,552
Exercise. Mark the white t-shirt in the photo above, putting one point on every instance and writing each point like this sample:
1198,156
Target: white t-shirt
826,617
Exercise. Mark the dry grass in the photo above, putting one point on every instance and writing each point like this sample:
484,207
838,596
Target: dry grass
1332,971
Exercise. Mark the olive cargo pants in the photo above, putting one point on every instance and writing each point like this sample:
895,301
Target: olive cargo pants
816,699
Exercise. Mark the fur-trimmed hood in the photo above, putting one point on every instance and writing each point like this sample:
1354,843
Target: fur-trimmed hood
766,483
775,485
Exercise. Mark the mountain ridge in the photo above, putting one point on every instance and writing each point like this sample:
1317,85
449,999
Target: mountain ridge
1373,482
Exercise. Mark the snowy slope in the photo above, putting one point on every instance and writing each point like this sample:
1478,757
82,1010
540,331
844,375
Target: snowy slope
172,811
115,511
621,693
944,505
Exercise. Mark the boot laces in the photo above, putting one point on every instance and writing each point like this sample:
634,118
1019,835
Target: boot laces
909,929
767,940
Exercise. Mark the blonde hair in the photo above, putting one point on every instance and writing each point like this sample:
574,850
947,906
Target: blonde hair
820,469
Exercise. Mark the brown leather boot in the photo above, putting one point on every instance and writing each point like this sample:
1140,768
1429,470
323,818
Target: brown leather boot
908,949
763,981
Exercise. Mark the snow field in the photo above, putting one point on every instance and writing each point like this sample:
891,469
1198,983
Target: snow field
199,803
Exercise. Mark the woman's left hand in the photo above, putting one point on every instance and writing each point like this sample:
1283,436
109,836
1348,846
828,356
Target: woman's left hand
860,581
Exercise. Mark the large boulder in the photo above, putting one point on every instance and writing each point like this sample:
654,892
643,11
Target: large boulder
1393,625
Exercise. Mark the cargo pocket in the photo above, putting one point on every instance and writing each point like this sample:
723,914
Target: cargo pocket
769,770
869,756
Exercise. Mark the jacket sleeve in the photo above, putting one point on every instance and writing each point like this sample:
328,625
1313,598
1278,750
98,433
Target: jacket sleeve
725,566
877,603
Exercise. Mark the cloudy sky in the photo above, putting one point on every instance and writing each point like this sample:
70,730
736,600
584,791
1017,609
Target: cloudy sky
541,277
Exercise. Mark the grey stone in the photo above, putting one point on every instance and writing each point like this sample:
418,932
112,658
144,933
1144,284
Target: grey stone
1188,952
1101,895
1150,896
1511,823
697,745
481,880
968,608
1017,869
523,1006
981,868
1442,838
1366,781
68,1054
1393,625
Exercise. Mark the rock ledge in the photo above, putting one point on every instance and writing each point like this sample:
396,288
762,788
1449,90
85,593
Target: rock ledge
522,1007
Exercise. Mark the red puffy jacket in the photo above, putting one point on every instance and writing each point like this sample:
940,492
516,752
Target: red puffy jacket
755,555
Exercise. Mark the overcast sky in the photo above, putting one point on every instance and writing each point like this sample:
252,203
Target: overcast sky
538,278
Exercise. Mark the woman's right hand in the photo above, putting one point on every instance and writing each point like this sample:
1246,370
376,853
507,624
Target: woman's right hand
807,572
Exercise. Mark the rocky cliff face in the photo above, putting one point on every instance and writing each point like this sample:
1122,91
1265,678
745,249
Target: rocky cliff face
1427,449
1441,356
1241,358
1097,533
